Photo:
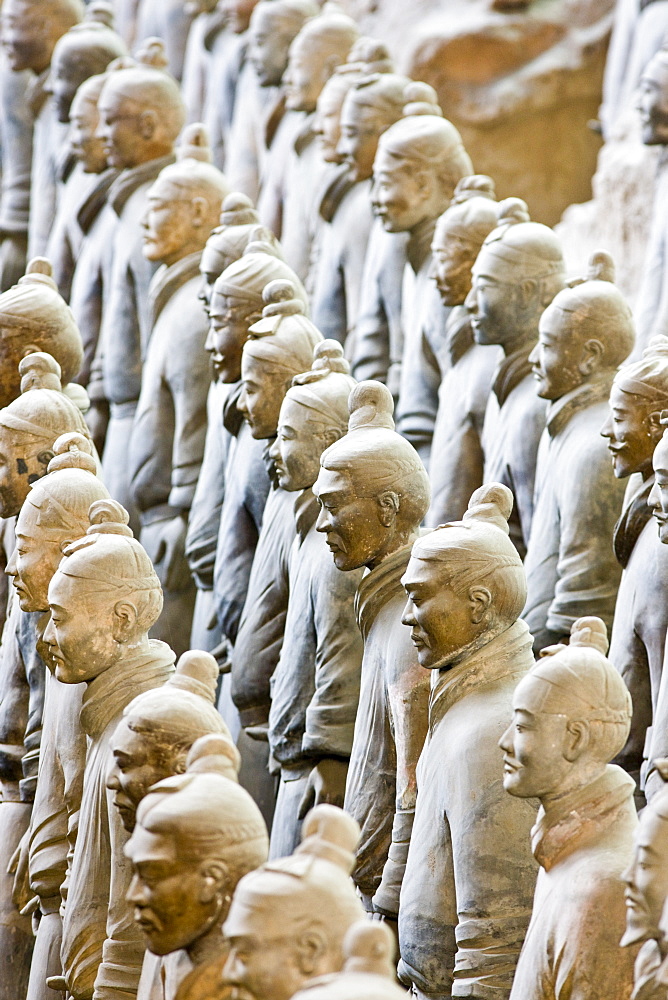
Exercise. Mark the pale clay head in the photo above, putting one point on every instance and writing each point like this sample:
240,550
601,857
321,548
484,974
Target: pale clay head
184,202
369,968
84,51
288,919
372,487
31,28
141,114
465,581
571,716
647,876
103,598
84,141
237,303
54,514
322,44
638,395
370,107
459,235
279,347
418,163
196,835
30,425
314,414
158,728
658,497
519,270
587,331
652,100
35,318
273,26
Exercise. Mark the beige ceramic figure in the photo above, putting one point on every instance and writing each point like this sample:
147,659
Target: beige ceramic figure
34,317
54,514
466,588
517,273
457,464
141,114
570,716
418,163
294,170
368,972
30,31
646,880
632,430
288,919
315,686
103,599
373,104
583,337
374,492
169,429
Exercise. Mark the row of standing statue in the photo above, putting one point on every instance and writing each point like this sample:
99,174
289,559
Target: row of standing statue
325,491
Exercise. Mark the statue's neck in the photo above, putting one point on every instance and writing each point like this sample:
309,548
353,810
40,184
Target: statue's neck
398,540
209,945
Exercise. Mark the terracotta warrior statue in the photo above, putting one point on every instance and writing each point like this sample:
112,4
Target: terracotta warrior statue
372,104
583,338
236,303
466,588
570,716
239,223
419,161
646,880
83,52
141,114
54,514
34,317
30,30
169,429
517,273
652,307
368,970
261,106
28,428
294,168
288,919
457,465
632,429
268,367
373,492
104,598
315,687
197,834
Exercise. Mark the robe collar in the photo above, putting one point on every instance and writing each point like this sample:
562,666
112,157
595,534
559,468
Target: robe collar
306,513
233,418
584,812
506,655
167,280
418,248
379,586
512,369
635,515
96,199
108,693
459,334
562,410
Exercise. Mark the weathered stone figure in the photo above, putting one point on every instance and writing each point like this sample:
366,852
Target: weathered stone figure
374,491
104,598
457,460
368,972
632,430
294,168
466,588
371,106
517,273
315,687
583,337
141,114
202,833
288,919
54,514
646,880
571,715
169,429
419,161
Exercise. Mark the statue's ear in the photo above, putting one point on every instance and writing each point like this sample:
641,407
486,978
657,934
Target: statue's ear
200,211
592,356
654,422
215,879
527,292
125,617
576,740
311,946
148,123
388,506
480,600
